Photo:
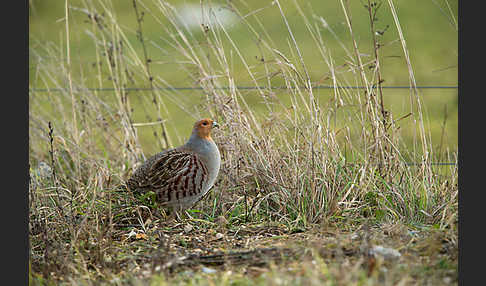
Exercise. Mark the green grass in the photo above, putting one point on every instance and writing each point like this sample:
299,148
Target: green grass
432,40
303,168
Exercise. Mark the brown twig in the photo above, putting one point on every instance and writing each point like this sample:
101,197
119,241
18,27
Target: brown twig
147,62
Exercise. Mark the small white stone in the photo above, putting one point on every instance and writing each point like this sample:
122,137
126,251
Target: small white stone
385,252
208,270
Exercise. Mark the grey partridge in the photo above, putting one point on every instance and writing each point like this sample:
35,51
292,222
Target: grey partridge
181,176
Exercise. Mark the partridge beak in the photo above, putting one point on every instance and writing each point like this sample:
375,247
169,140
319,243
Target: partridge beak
215,124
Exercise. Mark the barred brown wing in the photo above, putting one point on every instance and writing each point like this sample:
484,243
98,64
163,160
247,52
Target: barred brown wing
176,177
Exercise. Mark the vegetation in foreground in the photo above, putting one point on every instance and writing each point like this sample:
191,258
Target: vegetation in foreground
309,192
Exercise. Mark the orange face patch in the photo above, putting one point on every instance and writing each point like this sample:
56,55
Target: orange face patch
204,127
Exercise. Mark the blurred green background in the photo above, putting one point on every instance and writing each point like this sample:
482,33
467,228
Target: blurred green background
429,27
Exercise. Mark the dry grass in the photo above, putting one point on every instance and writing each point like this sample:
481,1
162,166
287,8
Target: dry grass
299,163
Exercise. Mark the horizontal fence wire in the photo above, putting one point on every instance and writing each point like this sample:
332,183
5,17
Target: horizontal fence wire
240,87
264,87
411,164
431,164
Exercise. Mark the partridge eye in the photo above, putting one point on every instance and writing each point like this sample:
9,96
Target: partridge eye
204,123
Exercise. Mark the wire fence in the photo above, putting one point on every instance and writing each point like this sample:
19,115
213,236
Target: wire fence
414,164
431,164
180,88
410,164
183,88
